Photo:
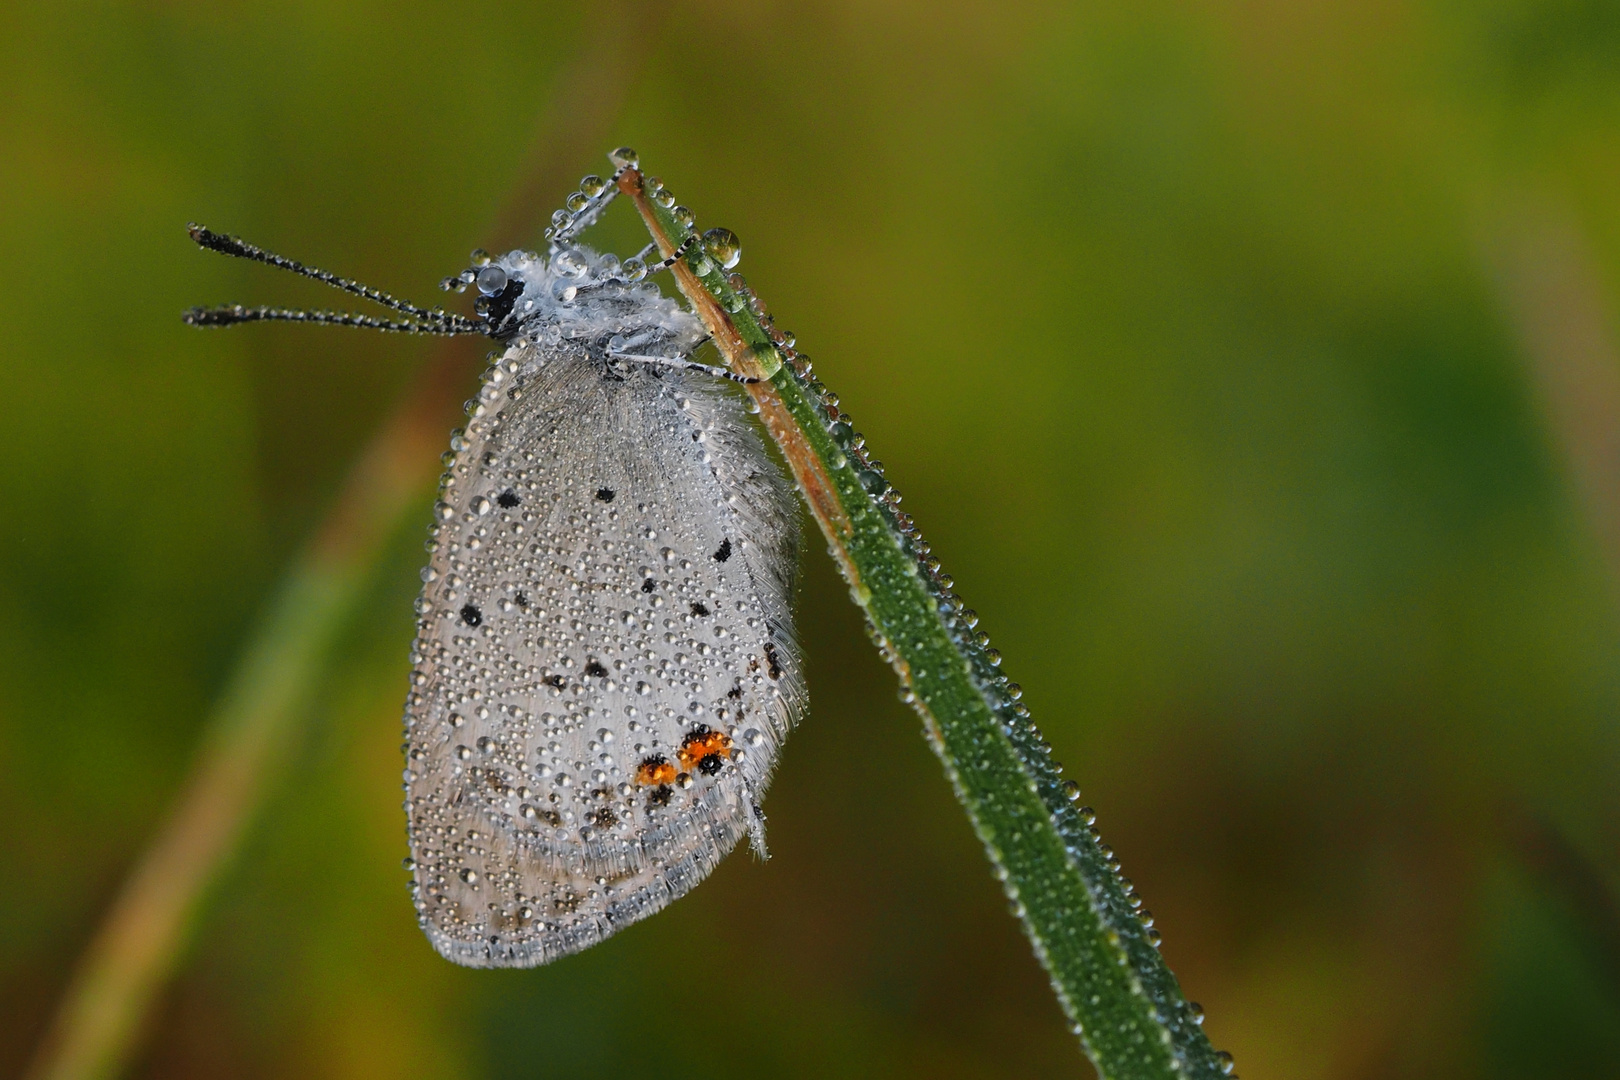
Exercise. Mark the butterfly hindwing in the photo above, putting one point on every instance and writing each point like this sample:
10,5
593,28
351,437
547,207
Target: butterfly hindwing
605,665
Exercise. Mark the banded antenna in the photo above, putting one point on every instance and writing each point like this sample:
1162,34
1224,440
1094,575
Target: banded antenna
421,321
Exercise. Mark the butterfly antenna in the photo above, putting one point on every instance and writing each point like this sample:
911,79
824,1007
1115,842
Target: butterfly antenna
428,322
231,314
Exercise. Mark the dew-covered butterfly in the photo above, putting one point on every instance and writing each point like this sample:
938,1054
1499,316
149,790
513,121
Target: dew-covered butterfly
604,668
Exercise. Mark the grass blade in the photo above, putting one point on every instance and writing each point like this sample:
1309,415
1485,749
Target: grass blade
1086,927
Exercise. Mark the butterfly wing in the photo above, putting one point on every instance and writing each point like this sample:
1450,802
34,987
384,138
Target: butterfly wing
605,667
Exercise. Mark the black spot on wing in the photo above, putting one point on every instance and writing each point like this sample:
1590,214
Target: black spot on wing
723,552
471,615
605,494
596,669
507,498
699,609
647,586
773,662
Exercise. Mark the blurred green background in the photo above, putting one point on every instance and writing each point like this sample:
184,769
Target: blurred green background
1251,364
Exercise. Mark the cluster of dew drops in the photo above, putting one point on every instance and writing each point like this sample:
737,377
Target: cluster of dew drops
720,248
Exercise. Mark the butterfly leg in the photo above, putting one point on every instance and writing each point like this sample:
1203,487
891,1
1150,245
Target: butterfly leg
683,365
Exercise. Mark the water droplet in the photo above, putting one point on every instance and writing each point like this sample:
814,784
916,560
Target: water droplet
683,217
480,257
1226,1062
1196,1011
873,481
570,262
633,269
577,201
491,280
593,185
1071,790
625,158
469,875
723,246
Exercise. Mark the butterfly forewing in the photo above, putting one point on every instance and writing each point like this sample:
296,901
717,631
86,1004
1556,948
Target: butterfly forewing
605,667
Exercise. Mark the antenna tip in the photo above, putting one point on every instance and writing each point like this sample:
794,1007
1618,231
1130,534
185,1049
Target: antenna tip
219,316
204,237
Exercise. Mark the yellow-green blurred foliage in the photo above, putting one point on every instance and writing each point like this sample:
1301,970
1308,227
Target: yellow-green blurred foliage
1200,337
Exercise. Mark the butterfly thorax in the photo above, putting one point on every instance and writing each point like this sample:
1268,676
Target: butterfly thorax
579,296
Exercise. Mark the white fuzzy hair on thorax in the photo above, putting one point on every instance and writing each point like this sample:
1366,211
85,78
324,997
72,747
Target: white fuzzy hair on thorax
579,295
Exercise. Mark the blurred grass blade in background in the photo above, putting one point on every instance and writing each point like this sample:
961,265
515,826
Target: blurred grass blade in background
1086,924
261,713
140,942
1554,293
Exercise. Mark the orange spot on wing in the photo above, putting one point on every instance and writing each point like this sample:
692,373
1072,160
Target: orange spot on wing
654,771
702,743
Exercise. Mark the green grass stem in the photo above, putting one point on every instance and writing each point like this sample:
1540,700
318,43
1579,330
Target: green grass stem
1085,923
